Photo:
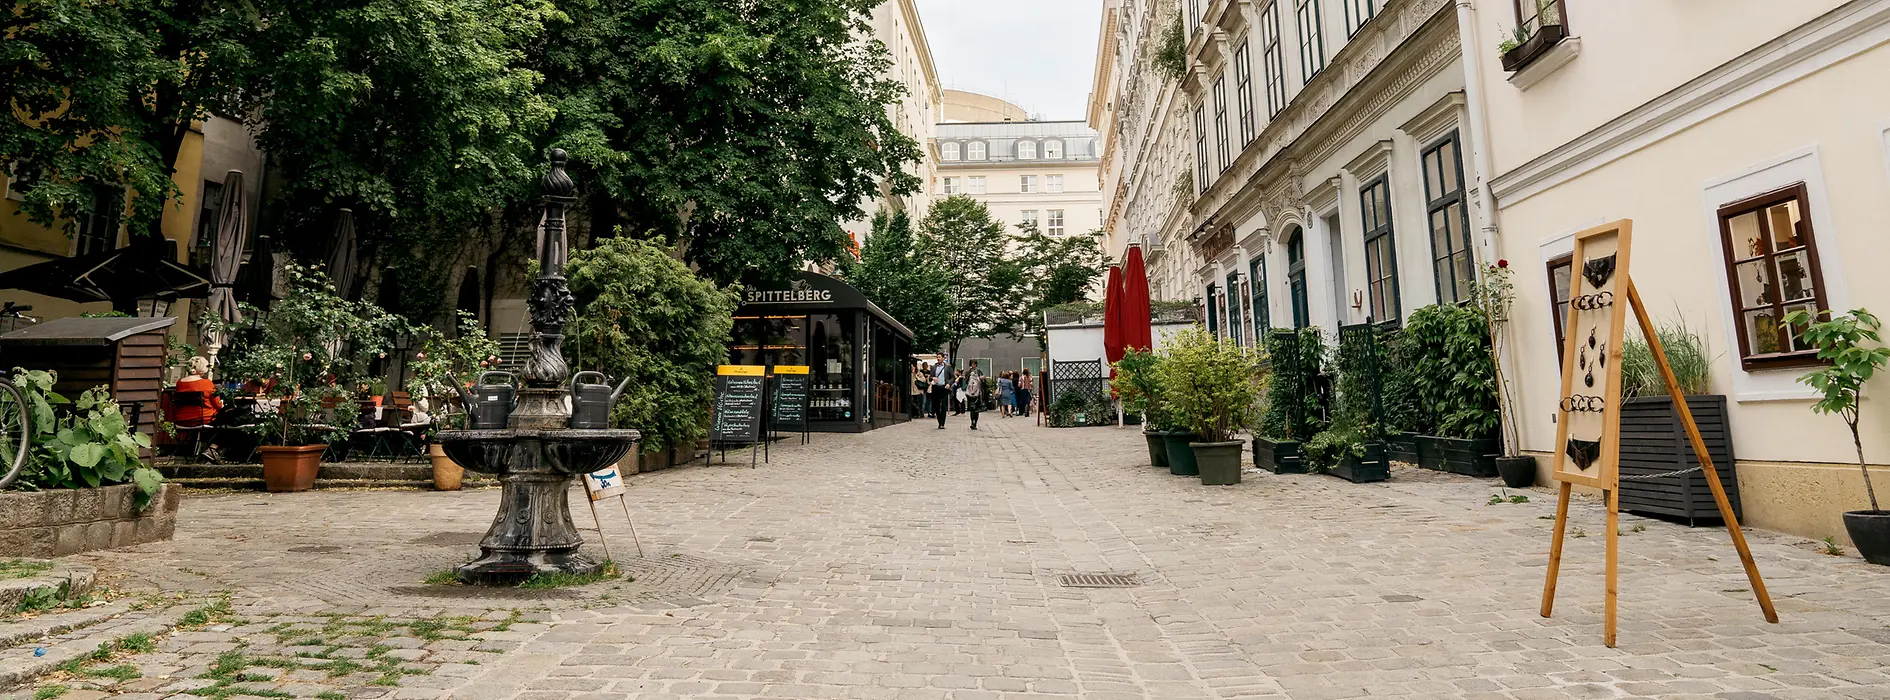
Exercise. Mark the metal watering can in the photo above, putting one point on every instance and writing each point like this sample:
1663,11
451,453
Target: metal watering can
488,404
591,403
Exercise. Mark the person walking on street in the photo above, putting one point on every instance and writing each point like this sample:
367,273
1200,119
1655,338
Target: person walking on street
917,390
1024,387
977,396
958,397
1005,396
941,391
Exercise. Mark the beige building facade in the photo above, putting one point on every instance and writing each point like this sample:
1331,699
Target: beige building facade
1701,127
896,24
1042,172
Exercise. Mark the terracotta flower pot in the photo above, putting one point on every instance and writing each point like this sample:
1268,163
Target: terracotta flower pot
447,474
290,469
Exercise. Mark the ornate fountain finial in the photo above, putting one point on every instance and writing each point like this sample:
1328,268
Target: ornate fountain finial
556,183
550,302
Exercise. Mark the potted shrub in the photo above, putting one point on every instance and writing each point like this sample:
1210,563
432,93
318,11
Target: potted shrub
1454,376
433,381
1211,388
302,353
1136,388
1353,447
1492,294
1293,409
1653,440
84,484
1840,341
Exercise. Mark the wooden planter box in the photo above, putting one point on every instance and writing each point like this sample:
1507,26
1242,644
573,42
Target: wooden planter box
1539,43
1374,466
1402,447
1458,456
1654,441
59,522
1278,456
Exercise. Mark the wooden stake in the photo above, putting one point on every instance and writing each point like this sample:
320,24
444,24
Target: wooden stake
1555,550
1699,449
601,539
1614,548
633,525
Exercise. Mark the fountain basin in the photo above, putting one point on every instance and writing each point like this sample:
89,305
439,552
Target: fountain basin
532,532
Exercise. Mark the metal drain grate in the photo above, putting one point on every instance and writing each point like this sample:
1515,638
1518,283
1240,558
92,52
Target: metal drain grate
1099,581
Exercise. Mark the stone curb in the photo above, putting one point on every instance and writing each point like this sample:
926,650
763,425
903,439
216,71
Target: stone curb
22,631
18,665
79,576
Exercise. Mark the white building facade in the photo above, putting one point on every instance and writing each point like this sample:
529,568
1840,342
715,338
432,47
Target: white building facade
1027,172
896,24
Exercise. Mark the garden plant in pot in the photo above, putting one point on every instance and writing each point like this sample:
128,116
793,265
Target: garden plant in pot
1454,377
1293,409
301,355
434,381
1841,341
1653,440
1136,387
1353,447
1493,294
1211,389
85,444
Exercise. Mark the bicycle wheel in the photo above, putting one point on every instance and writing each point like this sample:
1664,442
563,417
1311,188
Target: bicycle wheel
16,432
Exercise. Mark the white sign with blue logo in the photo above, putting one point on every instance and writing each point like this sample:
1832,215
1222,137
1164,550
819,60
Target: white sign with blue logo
604,483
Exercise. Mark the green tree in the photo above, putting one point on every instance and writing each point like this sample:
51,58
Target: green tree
1843,341
742,131
102,95
961,240
1051,270
645,316
894,274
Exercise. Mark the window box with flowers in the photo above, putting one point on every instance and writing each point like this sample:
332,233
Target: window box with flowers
1535,33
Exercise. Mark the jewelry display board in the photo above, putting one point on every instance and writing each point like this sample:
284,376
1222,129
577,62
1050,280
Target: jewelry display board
1588,416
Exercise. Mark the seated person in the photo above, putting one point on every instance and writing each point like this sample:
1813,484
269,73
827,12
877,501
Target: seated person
195,381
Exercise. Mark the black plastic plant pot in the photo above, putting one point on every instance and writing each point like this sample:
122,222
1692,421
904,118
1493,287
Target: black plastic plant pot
1517,472
1218,462
1469,457
1402,447
1180,454
1870,532
1157,448
1360,470
1278,456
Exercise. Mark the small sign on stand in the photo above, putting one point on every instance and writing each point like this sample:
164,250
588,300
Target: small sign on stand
738,410
790,399
608,483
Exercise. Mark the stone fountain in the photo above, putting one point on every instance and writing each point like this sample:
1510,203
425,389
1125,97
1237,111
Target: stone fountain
537,453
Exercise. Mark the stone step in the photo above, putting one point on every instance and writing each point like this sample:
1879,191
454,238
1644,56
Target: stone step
398,471
22,662
33,629
76,580
256,483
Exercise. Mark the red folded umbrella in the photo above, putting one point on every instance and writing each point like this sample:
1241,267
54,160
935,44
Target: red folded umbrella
1136,332
1112,316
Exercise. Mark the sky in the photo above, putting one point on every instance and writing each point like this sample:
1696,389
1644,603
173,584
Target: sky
1037,54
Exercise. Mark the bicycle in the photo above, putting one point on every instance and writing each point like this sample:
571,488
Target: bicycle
16,421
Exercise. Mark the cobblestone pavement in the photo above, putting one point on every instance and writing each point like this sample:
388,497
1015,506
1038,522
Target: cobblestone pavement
913,563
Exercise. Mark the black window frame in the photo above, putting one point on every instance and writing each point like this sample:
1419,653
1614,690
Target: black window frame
1358,13
1262,314
1312,38
1296,289
97,229
1200,149
1379,230
1243,91
1234,316
1558,300
1273,58
1213,319
1222,158
1435,203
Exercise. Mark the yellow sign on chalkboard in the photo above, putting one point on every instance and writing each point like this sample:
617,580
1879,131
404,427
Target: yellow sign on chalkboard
741,370
791,369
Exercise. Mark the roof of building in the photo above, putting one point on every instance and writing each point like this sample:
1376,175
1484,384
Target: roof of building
972,130
78,330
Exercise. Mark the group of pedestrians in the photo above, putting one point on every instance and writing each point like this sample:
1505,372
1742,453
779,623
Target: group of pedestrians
940,391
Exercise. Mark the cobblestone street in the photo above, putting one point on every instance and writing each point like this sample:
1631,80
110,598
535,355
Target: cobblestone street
917,563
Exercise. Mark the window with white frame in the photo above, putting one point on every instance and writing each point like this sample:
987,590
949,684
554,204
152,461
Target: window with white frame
952,186
1273,58
948,150
974,150
976,184
1053,149
1026,150
1028,218
1221,159
1054,226
1027,183
1053,183
1312,42
1357,13
1243,92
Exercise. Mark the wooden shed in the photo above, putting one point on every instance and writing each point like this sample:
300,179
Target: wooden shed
126,354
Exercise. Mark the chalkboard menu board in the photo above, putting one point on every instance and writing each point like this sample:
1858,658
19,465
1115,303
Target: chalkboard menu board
790,396
738,403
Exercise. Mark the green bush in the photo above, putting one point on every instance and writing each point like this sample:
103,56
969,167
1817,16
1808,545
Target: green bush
1138,387
1171,57
1452,372
1212,388
443,362
1686,356
642,314
1071,403
1356,419
1294,406
87,447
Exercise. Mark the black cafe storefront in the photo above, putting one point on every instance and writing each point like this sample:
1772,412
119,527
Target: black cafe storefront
859,358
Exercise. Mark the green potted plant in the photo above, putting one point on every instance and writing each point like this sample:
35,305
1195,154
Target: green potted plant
1653,441
1454,376
1840,341
302,354
433,379
1293,409
1135,386
1211,388
1353,447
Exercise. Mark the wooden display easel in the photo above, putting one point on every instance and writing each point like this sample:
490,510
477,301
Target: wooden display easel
1593,250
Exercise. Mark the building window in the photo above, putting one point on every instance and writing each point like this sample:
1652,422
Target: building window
1449,221
1053,149
98,229
1221,159
1234,316
1027,183
1358,12
951,185
1312,42
1773,268
1273,58
211,205
1533,15
974,150
1194,16
1028,218
1296,276
1243,92
1213,312
1200,150
1026,150
1262,314
1381,256
1053,183
976,184
1559,271
1055,226
949,150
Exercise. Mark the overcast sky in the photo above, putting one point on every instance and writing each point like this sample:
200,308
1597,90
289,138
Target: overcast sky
1037,54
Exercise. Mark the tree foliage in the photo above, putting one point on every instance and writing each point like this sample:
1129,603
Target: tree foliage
1051,271
895,275
1844,341
645,316
744,130
1210,387
961,240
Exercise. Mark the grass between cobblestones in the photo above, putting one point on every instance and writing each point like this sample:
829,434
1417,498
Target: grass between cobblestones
21,568
541,581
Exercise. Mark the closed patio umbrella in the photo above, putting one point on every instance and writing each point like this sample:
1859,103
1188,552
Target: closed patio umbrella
1112,316
145,269
226,260
1136,329
342,257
